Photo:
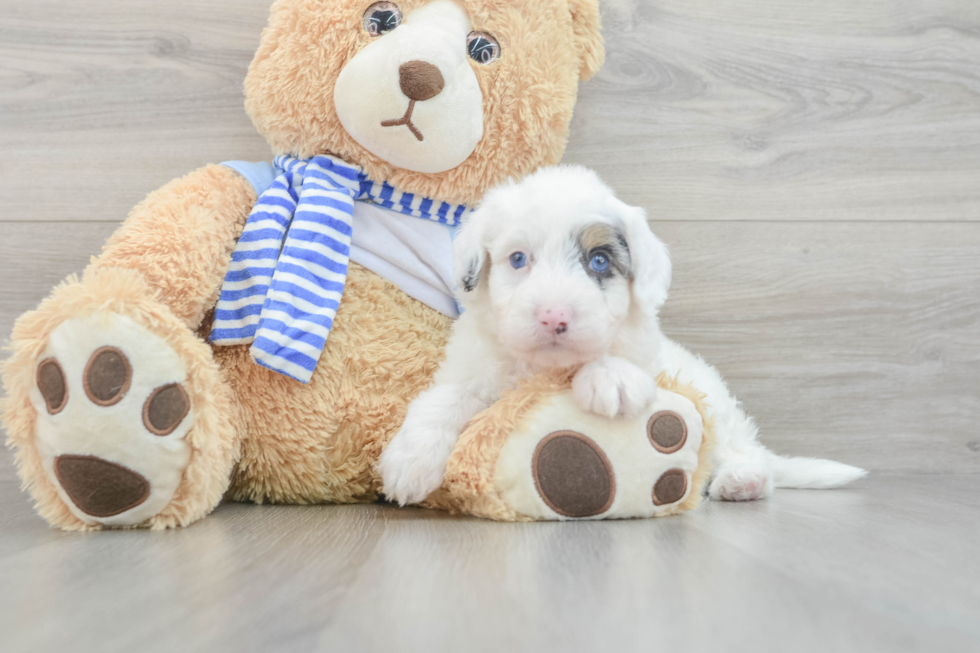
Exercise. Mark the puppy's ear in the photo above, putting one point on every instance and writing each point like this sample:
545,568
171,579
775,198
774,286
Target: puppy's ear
469,251
651,266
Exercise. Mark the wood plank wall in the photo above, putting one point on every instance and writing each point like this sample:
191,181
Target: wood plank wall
814,166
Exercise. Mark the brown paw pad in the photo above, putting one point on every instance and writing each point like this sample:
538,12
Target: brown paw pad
667,431
165,409
573,475
670,487
107,376
53,386
98,487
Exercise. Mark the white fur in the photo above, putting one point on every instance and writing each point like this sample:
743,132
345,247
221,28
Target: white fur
613,334
612,387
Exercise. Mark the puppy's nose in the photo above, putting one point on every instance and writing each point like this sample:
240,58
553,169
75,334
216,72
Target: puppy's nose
554,320
420,80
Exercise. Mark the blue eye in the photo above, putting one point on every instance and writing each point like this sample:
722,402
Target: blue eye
518,260
599,263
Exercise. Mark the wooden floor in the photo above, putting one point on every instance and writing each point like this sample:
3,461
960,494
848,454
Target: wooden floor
890,565
815,168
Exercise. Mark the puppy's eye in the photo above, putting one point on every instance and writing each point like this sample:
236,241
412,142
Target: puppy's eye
599,263
518,260
382,17
482,47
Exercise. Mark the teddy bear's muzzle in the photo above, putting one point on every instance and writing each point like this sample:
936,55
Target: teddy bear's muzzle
419,81
98,487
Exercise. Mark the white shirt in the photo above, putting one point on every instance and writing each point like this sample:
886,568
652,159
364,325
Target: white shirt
414,254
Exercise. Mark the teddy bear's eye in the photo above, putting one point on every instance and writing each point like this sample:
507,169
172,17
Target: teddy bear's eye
382,17
482,47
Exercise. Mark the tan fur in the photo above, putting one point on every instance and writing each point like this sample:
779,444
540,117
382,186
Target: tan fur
588,36
469,486
270,438
708,439
469,483
528,94
319,442
213,439
181,237
599,235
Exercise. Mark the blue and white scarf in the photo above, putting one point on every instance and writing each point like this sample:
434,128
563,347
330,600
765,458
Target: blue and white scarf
289,268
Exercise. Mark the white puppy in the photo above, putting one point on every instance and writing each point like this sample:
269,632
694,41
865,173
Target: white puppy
556,272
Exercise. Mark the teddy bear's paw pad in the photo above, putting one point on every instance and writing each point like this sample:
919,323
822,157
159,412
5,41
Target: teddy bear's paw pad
165,409
573,475
667,431
671,487
107,376
52,385
98,487
113,413
565,463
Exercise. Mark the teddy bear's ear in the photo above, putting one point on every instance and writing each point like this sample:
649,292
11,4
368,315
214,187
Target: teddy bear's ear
588,35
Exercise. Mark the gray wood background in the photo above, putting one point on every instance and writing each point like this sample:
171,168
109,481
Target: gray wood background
814,166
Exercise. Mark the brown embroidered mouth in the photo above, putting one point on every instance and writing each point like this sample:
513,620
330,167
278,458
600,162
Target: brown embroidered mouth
405,120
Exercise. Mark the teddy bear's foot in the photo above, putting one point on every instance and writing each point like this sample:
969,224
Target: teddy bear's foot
563,463
116,411
112,413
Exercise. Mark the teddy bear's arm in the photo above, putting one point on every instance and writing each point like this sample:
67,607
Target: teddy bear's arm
181,237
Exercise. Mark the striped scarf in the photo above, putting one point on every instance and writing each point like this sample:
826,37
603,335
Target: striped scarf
289,268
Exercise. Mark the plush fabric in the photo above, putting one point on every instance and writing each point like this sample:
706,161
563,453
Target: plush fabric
247,433
212,442
431,120
100,488
288,271
109,391
318,442
528,94
418,258
473,479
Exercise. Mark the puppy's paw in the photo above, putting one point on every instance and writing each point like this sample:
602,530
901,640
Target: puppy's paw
410,472
613,387
741,482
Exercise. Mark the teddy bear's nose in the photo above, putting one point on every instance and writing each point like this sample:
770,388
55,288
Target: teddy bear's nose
420,80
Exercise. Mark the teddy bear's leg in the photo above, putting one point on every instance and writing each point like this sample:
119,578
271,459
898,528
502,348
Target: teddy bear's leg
319,442
558,462
117,409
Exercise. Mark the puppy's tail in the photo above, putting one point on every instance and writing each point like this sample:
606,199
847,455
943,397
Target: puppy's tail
814,473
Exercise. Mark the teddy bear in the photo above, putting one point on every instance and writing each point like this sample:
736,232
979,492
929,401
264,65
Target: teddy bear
255,331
